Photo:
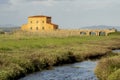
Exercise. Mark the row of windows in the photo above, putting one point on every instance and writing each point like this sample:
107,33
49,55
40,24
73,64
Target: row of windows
36,21
36,28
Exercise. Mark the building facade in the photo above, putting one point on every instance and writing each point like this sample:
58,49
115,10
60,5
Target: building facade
39,23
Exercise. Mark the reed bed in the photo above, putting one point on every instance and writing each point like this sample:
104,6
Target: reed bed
109,68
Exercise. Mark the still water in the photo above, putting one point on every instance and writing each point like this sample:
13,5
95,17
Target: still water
77,71
116,51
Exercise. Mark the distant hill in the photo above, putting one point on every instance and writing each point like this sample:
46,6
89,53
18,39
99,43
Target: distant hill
102,27
8,27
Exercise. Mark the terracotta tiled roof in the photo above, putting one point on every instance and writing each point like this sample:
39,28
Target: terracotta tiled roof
53,24
39,16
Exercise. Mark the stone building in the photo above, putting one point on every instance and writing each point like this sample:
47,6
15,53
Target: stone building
39,23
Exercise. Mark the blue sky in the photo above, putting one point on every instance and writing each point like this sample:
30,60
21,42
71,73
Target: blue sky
65,13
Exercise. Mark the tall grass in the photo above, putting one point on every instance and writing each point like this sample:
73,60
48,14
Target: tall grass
22,53
108,68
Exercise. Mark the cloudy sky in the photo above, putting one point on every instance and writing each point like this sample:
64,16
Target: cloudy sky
65,13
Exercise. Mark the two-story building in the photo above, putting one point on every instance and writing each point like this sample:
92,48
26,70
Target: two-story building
39,23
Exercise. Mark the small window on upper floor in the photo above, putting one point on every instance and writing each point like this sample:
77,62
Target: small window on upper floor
36,28
30,21
42,21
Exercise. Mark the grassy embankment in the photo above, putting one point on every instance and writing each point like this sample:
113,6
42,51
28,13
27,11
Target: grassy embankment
109,68
21,54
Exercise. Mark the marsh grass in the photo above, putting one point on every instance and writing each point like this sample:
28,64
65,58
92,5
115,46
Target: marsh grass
22,53
108,68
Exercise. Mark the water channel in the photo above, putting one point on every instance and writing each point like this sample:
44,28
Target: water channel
77,71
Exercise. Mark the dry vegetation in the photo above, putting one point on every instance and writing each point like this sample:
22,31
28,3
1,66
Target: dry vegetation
22,53
109,68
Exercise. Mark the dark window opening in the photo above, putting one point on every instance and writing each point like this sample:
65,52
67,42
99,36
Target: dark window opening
36,28
42,28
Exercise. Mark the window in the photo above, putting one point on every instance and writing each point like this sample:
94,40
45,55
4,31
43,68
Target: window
42,21
30,28
36,28
42,28
30,21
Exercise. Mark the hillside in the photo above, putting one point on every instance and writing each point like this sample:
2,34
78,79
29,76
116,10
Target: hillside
101,27
8,27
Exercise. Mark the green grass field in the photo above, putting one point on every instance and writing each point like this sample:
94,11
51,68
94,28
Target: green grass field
21,54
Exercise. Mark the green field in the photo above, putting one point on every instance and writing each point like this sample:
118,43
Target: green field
25,53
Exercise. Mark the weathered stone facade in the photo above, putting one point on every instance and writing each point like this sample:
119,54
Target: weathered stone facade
87,32
39,23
